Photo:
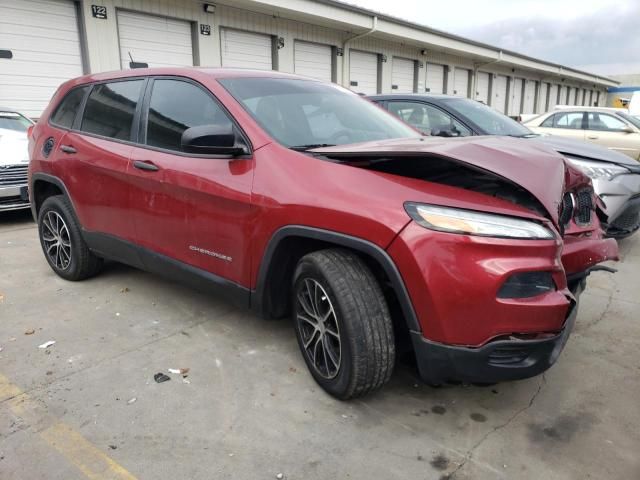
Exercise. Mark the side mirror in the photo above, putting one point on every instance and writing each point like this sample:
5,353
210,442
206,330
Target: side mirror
211,139
628,129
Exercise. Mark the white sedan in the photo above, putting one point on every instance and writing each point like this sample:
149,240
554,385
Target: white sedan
14,160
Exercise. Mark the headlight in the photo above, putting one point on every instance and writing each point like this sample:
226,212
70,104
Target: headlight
455,220
597,169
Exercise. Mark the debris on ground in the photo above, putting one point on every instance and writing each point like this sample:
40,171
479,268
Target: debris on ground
179,371
231,454
12,339
124,290
47,344
185,380
293,369
161,377
31,331
113,447
280,476
117,314
131,400
1,298
1,349
49,372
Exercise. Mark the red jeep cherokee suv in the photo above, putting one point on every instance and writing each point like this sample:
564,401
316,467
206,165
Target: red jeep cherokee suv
297,197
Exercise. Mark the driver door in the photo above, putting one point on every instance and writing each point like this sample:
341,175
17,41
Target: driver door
192,208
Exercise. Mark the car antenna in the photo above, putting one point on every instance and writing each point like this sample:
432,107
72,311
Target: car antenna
134,64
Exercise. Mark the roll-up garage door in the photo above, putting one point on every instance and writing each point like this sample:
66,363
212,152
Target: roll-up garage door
544,96
43,37
553,96
435,78
312,60
515,103
499,93
482,87
363,72
461,82
529,104
245,49
157,41
402,75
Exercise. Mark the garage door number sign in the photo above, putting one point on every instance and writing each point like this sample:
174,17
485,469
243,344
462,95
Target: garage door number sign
99,11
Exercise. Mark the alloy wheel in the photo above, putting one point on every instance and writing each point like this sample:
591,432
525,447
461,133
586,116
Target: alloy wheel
57,241
318,326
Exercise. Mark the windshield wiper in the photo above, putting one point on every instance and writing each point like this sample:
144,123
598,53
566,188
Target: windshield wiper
523,135
304,148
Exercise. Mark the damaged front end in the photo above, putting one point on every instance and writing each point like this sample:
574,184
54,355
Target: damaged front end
492,306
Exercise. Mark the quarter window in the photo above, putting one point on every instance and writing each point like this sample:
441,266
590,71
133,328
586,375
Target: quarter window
176,106
66,112
110,109
600,121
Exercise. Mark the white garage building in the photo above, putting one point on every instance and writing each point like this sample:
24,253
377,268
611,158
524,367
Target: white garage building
44,42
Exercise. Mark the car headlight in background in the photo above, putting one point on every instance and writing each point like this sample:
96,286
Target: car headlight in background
595,170
469,222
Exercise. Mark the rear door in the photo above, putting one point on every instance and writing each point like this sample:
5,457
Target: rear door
565,124
192,208
94,157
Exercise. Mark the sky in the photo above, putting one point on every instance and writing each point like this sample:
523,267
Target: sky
600,36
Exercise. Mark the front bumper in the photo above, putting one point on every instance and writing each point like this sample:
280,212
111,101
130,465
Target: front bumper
14,197
496,361
621,197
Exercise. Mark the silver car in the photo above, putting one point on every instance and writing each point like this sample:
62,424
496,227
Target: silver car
616,177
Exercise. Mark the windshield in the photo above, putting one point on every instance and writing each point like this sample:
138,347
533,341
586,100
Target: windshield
490,121
14,121
634,120
303,113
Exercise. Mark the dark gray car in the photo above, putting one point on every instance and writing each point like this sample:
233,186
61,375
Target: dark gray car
616,177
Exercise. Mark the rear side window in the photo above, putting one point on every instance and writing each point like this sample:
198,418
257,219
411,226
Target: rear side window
175,106
110,109
66,112
569,120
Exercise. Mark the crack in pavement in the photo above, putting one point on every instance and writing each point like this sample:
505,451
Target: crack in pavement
469,453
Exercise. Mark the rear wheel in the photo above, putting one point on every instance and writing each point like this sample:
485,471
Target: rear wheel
342,323
62,242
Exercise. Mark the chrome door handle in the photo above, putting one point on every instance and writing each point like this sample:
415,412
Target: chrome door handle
145,165
68,149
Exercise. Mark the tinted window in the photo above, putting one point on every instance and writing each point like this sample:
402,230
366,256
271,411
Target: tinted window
176,106
571,120
14,121
428,119
548,121
66,112
302,112
488,120
603,121
110,109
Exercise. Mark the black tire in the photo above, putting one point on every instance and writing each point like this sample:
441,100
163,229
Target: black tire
365,346
79,263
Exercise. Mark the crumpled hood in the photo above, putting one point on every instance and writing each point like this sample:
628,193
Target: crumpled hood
580,148
13,147
531,165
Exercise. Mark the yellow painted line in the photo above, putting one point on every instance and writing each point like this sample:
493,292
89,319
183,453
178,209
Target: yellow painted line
79,451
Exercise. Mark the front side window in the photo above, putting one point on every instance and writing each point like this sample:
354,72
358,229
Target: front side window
428,119
66,112
299,113
604,122
110,109
488,120
176,106
570,120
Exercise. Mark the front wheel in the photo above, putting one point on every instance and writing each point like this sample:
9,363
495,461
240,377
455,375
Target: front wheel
342,323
